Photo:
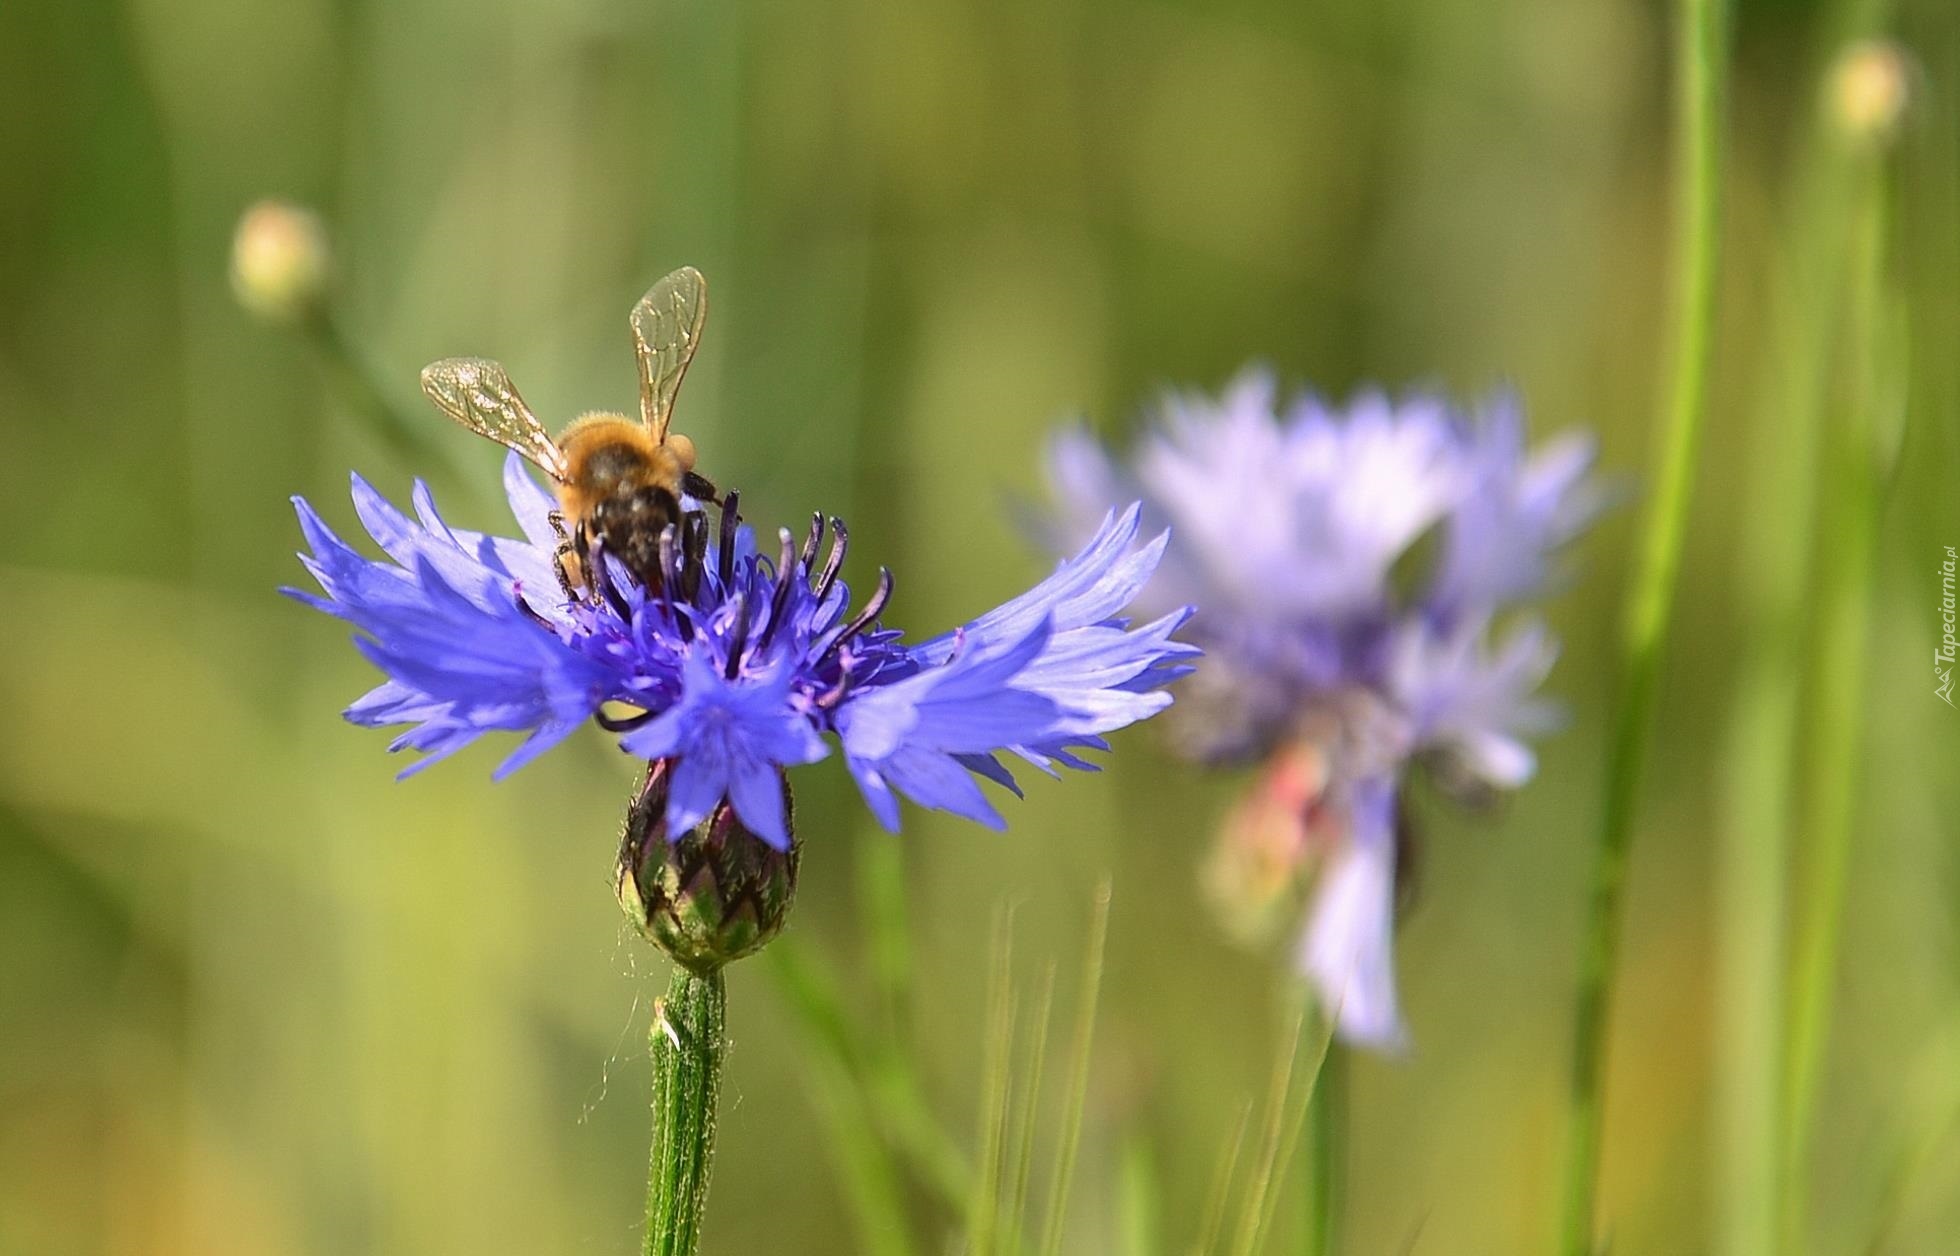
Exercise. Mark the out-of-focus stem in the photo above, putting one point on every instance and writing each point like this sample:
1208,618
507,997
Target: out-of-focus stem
688,1044
1836,727
1700,30
1327,1159
354,382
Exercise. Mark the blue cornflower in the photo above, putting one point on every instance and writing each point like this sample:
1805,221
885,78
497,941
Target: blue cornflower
1350,566
739,664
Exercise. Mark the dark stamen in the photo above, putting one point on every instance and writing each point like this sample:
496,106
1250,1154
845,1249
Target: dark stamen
621,724
835,694
814,540
740,641
694,545
669,577
862,620
731,519
785,576
835,562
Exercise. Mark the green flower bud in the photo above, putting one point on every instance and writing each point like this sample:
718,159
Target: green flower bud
714,894
280,262
1870,88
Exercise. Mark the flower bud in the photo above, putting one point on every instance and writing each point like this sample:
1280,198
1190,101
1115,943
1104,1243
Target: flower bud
1870,86
714,893
280,262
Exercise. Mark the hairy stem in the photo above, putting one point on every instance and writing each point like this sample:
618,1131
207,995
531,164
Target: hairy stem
688,1043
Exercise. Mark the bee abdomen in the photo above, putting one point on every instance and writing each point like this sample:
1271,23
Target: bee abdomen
630,523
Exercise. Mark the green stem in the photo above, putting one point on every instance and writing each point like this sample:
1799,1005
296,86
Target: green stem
1836,727
1700,31
1327,1163
688,1043
356,384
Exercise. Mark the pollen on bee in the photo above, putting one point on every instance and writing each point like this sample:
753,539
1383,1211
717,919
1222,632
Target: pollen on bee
682,449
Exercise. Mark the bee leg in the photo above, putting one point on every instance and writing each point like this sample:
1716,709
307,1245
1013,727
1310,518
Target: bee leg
561,558
564,557
599,579
700,487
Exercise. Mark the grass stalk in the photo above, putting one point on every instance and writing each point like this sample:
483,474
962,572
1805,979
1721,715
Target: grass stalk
1138,1193
1327,1162
1077,1097
1700,58
983,1223
1211,1222
1835,730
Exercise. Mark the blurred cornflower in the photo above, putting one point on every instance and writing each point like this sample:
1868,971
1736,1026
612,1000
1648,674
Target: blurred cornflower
1348,566
738,664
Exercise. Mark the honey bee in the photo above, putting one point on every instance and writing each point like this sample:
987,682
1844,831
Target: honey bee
619,482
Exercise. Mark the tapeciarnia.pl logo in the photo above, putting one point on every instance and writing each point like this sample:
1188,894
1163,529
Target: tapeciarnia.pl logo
1943,654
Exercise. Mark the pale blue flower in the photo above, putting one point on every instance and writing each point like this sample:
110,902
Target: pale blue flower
1352,569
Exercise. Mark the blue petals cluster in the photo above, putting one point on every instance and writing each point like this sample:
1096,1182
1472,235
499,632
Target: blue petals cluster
1352,567
739,664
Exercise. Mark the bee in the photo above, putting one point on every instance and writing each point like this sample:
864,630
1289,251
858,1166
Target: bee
619,482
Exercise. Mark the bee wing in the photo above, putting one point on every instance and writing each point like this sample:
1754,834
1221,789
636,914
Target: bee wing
666,328
477,393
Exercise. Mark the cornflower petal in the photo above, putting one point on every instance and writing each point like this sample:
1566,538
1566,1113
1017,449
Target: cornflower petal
1349,946
739,664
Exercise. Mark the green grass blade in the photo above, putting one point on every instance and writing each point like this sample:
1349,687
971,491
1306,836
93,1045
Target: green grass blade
870,1179
1138,1191
1078,1084
1254,1208
1026,1118
888,940
984,1209
1833,758
890,1085
1211,1222
1701,29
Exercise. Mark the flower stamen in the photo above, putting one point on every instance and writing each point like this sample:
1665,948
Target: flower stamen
814,540
873,607
786,575
731,519
740,641
834,562
621,723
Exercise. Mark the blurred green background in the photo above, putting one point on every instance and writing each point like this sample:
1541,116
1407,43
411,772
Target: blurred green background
255,997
